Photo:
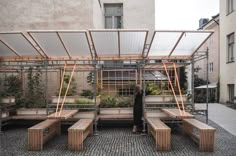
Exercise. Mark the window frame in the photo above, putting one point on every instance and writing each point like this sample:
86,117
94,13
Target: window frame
114,17
230,47
229,7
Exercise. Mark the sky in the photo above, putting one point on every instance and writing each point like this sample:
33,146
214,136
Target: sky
183,14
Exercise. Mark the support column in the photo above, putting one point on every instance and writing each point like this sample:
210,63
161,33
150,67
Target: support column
46,84
95,95
207,89
143,102
192,84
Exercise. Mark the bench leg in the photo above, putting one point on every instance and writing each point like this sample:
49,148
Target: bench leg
163,140
187,128
35,140
75,140
206,142
149,129
91,129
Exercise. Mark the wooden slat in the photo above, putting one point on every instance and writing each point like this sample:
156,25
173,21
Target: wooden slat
176,114
78,132
65,114
206,137
197,124
42,132
160,132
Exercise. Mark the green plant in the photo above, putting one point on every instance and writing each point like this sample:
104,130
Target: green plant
82,100
152,89
72,87
35,95
115,101
87,93
12,87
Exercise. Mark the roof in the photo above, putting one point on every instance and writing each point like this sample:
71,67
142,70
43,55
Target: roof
100,44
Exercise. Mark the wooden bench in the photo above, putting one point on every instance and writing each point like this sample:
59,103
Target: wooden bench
42,132
161,132
78,132
201,133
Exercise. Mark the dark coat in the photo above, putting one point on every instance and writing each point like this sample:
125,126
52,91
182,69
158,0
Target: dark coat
138,109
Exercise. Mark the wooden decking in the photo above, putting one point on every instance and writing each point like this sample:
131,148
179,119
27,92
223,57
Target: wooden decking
65,114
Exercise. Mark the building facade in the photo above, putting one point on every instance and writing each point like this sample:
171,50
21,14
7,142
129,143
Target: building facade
213,53
227,50
75,15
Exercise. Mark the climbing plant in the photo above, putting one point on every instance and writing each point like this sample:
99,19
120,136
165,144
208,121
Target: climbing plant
35,95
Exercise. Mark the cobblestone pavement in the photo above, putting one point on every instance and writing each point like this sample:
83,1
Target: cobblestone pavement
116,141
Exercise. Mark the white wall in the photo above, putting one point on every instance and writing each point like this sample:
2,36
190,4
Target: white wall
227,71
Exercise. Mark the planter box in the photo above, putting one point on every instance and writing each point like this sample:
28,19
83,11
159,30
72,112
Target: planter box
72,99
9,99
163,98
31,111
119,111
5,114
69,99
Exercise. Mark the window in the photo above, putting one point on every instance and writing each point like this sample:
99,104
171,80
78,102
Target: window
230,48
211,67
231,92
113,16
230,6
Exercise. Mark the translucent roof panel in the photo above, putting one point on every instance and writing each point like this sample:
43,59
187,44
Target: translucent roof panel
76,43
105,42
132,42
5,51
183,43
163,43
19,43
50,43
190,42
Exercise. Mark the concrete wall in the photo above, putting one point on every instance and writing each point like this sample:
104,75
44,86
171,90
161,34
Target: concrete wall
227,70
45,14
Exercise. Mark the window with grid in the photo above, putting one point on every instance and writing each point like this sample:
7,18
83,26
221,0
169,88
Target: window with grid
230,48
229,6
211,67
231,92
113,16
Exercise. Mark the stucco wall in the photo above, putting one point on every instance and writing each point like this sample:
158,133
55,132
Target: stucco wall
227,71
45,14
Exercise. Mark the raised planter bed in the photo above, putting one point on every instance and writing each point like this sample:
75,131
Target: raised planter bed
7,100
150,99
31,111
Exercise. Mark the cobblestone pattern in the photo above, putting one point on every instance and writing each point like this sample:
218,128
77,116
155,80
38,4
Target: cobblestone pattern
116,141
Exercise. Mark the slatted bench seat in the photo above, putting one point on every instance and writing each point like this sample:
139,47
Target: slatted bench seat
42,132
201,133
161,132
78,132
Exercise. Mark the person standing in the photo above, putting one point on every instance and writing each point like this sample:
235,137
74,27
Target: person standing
138,109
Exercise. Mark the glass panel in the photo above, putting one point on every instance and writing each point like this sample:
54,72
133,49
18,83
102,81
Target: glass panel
163,43
50,43
132,43
5,51
19,44
108,22
189,43
106,43
113,9
76,43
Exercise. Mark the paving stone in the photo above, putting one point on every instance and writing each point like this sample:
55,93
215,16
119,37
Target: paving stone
116,141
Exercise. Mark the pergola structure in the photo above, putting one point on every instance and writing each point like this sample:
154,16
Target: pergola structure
89,50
